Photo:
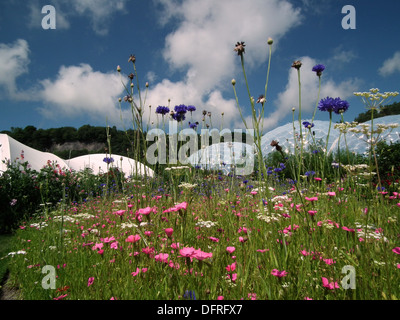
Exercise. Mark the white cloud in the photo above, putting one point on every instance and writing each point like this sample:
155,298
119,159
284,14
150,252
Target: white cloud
79,90
14,62
98,11
390,65
202,44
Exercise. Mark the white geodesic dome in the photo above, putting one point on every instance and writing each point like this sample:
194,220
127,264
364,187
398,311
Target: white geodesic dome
356,142
225,156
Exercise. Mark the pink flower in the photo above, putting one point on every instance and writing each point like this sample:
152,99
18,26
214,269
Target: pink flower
233,277
231,267
133,238
60,297
169,231
305,253
241,239
90,281
262,250
331,193
396,250
100,252
200,255
278,273
230,249
145,211
220,298
330,286
312,212
162,257
187,252
213,239
177,207
311,199
114,245
348,229
135,273
307,298
317,179
98,246
329,261
107,240
119,212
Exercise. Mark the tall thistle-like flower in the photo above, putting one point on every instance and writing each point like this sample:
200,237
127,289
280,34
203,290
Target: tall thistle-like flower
132,59
239,48
296,64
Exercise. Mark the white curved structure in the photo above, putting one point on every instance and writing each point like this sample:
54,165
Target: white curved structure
97,164
11,151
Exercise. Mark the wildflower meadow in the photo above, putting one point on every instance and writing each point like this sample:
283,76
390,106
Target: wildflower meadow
302,224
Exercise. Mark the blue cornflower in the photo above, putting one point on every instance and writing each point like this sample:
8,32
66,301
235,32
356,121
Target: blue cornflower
336,105
308,125
108,160
309,173
327,104
191,108
341,106
189,295
245,181
178,116
181,109
162,110
318,69
193,125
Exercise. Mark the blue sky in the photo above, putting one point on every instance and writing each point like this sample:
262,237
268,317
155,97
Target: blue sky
67,76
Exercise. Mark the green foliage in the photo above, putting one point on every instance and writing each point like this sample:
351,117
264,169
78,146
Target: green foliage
389,110
388,156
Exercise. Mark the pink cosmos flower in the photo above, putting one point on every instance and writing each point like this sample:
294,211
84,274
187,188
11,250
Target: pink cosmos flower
307,298
60,297
133,238
262,250
312,212
100,252
331,193
230,249
213,239
396,250
220,298
241,239
331,285
90,281
317,179
169,231
278,273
